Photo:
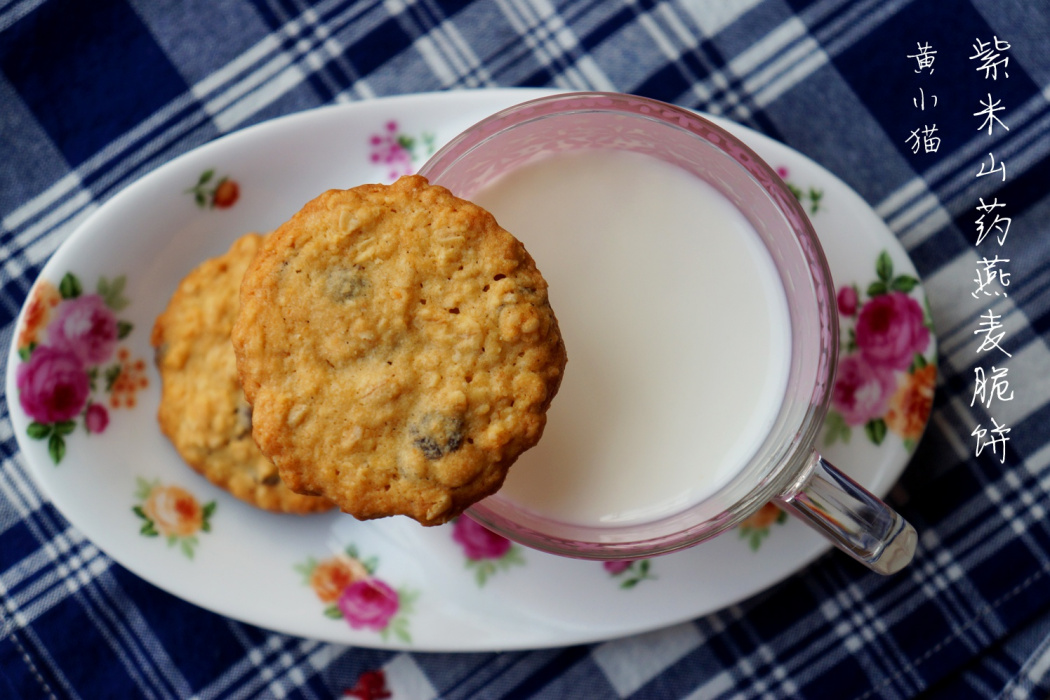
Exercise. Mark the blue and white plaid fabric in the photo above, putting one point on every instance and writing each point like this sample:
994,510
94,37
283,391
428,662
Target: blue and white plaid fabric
94,95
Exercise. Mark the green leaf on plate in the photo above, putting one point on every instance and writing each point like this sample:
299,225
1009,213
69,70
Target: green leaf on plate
70,287
112,292
876,430
815,197
756,540
206,512
836,429
408,143
399,626
111,375
917,363
482,571
56,447
884,267
143,488
904,283
406,600
38,431
306,569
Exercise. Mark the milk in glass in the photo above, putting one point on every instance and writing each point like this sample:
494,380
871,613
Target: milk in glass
676,328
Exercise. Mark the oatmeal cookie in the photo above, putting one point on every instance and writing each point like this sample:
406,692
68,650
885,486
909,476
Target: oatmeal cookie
398,349
202,409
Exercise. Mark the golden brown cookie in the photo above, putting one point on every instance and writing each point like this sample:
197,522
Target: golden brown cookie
398,349
202,408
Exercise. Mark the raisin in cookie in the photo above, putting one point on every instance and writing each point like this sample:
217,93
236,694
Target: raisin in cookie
202,409
398,349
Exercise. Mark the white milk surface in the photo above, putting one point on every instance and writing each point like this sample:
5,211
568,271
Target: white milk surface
676,328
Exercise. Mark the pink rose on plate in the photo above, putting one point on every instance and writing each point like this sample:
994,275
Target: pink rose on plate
368,603
478,542
86,327
52,385
890,331
96,418
847,301
617,566
862,392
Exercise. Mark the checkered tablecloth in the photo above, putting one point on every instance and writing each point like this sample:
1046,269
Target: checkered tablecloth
916,105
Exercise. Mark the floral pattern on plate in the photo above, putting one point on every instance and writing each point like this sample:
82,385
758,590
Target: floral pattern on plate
172,512
756,528
399,152
70,360
487,553
630,572
212,193
347,585
884,382
811,198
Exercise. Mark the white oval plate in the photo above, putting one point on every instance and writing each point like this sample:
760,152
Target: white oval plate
126,489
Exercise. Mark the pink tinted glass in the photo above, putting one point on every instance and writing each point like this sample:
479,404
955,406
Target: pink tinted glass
573,122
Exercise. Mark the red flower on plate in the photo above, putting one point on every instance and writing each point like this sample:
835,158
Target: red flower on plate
862,391
65,348
479,542
368,603
881,382
52,385
86,327
617,566
847,301
891,330
96,418
346,583
486,552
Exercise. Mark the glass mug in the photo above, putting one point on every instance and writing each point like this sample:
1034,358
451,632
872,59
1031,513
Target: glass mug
786,467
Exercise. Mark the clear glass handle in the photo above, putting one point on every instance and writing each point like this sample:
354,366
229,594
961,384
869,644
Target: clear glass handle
856,521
